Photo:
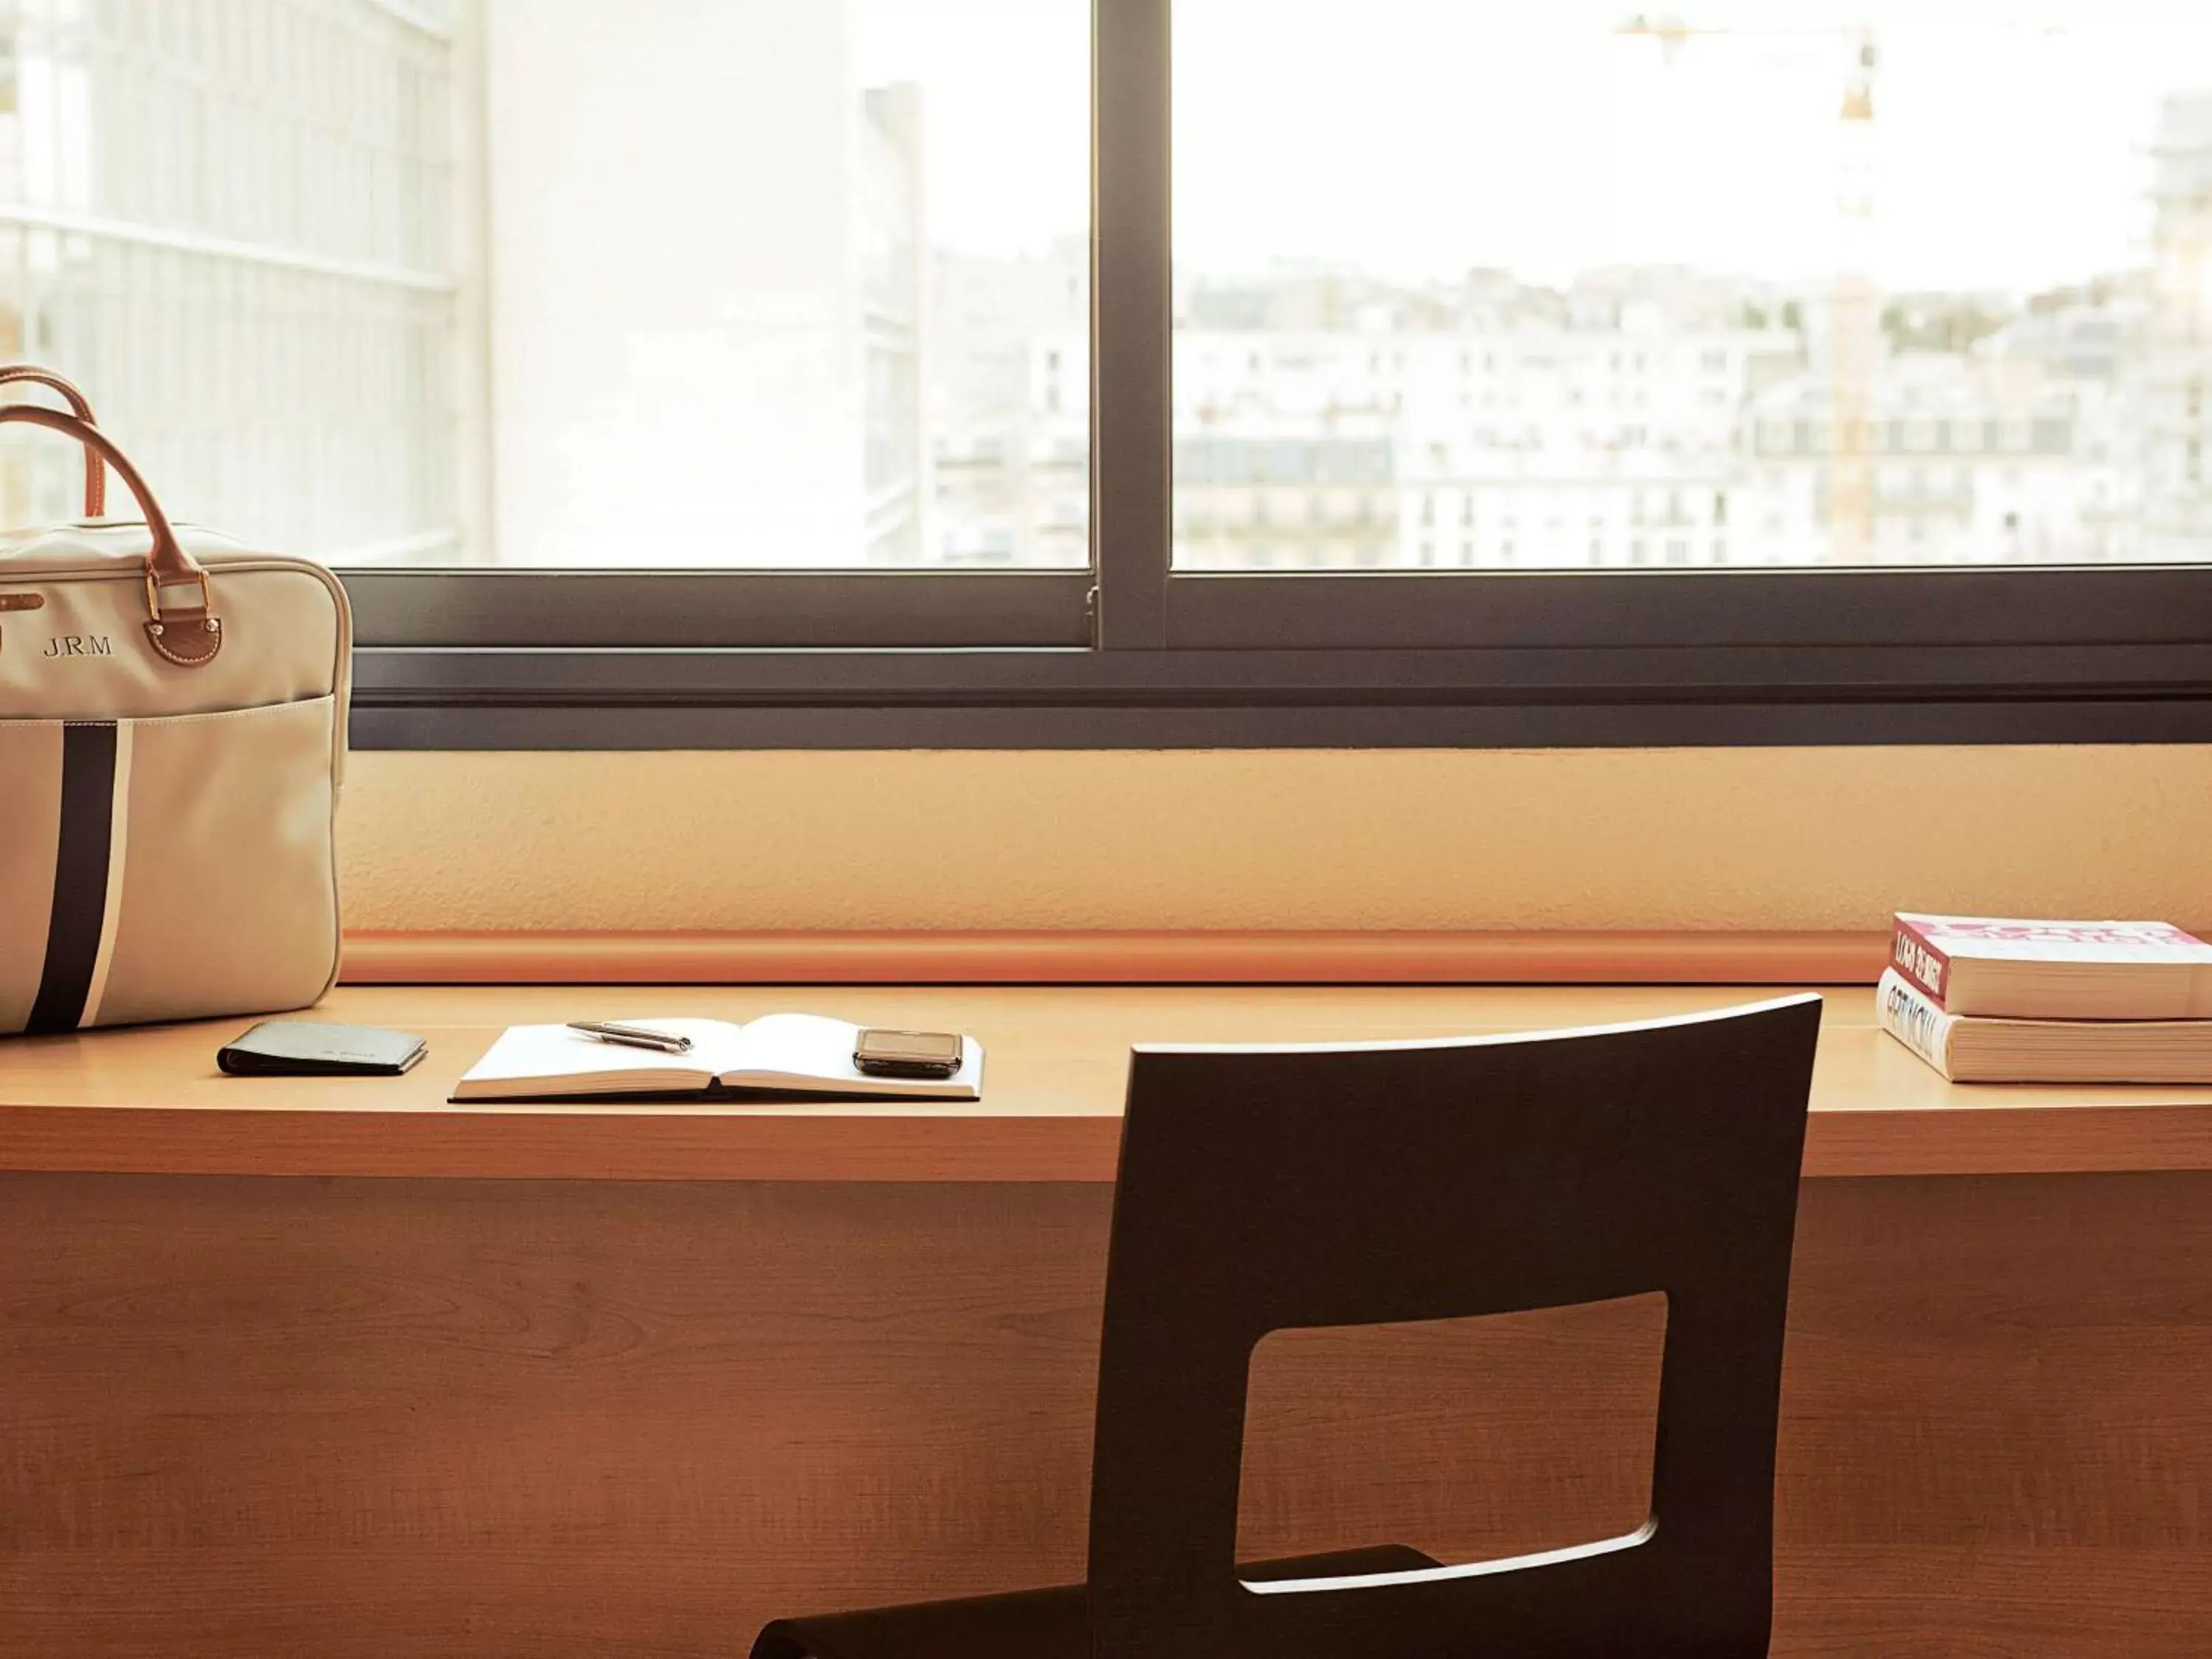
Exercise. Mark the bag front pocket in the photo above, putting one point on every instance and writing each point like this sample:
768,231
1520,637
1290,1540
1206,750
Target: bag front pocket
172,868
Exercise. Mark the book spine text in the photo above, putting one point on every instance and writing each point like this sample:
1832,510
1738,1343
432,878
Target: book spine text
1907,1014
1916,956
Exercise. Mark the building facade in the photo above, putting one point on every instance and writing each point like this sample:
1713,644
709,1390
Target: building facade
2177,456
706,305
1009,409
231,222
1493,429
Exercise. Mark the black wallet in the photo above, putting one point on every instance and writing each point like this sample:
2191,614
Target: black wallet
298,1048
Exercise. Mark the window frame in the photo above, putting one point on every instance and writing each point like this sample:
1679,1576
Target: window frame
1132,653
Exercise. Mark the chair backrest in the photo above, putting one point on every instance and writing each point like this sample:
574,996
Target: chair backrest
1264,1190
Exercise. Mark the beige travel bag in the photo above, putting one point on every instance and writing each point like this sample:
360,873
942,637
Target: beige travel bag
173,716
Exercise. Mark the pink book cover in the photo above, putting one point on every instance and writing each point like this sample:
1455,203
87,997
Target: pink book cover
1922,946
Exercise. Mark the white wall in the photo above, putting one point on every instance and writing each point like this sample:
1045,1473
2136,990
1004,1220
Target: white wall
1698,840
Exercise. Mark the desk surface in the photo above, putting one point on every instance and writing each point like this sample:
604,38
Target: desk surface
152,1102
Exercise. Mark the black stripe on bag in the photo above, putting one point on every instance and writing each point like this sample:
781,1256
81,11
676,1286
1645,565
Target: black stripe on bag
80,876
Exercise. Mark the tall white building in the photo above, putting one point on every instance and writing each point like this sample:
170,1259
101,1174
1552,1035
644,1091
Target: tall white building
530,281
231,222
706,253
2177,460
1009,409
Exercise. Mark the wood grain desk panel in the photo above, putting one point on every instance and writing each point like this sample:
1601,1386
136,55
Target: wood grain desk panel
766,1360
514,1420
151,1101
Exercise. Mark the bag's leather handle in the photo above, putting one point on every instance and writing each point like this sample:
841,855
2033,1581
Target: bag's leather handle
95,475
188,636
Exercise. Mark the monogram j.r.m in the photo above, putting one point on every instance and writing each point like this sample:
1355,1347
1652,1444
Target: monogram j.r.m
79,645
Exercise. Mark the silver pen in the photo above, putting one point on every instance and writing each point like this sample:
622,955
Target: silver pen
633,1037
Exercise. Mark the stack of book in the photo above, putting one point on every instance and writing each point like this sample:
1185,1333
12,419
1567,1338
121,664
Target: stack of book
1990,1001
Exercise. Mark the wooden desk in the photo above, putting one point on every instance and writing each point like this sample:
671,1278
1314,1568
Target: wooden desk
152,1102
675,1370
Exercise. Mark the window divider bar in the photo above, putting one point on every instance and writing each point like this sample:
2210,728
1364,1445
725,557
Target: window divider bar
1132,412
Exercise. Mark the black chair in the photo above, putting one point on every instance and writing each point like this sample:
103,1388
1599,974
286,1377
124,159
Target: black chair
1262,1190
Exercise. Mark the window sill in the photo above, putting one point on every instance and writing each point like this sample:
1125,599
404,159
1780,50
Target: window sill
521,698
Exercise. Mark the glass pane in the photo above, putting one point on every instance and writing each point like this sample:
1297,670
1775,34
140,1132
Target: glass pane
564,283
790,282
1556,286
231,223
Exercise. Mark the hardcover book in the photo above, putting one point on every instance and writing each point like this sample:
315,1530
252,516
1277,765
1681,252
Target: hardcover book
2011,968
1968,1048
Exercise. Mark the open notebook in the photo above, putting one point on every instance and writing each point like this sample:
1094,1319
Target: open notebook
777,1053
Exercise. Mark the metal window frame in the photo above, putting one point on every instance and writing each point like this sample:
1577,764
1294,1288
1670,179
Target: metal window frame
1134,653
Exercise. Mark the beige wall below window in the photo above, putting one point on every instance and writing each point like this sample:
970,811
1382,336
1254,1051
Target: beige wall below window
1599,839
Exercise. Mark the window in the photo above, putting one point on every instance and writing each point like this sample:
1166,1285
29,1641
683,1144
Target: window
686,373
729,308
234,227
1824,273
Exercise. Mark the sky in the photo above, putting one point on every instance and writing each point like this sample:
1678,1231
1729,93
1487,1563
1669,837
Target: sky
1418,138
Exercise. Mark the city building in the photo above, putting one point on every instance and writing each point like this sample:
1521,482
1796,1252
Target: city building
237,231
2178,454
1254,502
888,230
1009,409
419,282
1970,464
706,260
1501,426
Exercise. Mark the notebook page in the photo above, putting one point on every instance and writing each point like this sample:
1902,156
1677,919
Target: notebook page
577,1062
806,1046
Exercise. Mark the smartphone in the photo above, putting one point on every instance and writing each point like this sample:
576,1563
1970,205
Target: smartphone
909,1053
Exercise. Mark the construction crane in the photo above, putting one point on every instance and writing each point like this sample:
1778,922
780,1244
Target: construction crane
1854,344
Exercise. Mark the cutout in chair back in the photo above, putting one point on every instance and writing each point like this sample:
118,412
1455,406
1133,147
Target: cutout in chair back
1469,1439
